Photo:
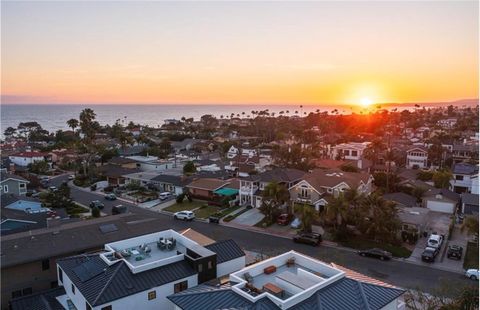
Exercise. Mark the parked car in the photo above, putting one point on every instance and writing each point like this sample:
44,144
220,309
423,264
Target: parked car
472,274
30,193
429,254
284,219
435,241
110,197
53,188
97,203
296,223
308,238
376,253
184,215
71,177
165,195
214,218
119,209
455,251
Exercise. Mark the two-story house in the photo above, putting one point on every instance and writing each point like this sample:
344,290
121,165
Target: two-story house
316,186
465,177
251,188
350,151
12,184
139,273
417,157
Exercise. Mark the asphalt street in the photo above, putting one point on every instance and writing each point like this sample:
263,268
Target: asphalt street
395,272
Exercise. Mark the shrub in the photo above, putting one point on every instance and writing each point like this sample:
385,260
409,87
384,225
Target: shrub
180,198
95,212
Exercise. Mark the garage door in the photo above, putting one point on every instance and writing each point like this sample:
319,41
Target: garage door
439,206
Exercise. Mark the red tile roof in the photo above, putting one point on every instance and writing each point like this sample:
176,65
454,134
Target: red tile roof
29,154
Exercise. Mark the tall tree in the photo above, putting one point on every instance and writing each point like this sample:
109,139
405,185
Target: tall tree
307,215
73,123
274,196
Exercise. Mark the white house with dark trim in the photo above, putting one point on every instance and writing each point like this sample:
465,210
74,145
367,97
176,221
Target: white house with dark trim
465,178
24,159
417,157
139,273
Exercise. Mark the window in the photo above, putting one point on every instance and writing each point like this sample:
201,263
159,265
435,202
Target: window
346,152
22,185
27,291
180,286
200,267
107,308
459,177
16,294
152,295
210,265
73,289
5,188
60,275
45,264
354,153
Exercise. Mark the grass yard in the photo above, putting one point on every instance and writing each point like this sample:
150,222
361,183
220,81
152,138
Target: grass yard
471,256
362,244
206,211
185,206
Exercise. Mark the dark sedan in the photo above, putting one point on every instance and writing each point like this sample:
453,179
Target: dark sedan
110,197
376,253
308,238
429,254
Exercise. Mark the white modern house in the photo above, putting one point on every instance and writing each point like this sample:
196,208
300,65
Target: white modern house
24,159
465,178
293,281
139,273
350,151
417,157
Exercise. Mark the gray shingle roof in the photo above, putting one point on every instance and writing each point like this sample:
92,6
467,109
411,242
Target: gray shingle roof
39,301
444,192
117,280
5,175
470,199
226,250
281,175
465,168
401,198
343,294
172,179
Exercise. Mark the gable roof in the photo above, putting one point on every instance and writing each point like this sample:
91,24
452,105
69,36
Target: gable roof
226,250
117,281
29,154
465,168
45,300
320,178
401,198
444,192
209,184
281,175
121,161
4,176
172,179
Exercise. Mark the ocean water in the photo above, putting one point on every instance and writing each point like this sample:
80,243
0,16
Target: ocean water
54,117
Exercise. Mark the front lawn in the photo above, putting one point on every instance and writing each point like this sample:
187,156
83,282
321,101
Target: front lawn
471,256
185,206
358,243
205,212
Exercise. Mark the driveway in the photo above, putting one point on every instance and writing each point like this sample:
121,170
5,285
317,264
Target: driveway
250,218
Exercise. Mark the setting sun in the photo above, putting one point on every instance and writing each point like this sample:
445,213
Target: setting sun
365,102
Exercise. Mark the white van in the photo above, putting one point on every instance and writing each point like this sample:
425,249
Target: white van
165,195
435,241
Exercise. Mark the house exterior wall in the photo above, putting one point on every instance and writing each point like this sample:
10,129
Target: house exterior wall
13,187
200,193
417,158
304,193
440,206
77,298
24,161
230,266
140,300
469,209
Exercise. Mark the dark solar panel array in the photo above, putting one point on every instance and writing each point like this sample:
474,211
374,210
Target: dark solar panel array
88,270
106,228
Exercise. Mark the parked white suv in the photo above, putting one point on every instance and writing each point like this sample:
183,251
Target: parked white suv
472,274
184,215
435,241
164,195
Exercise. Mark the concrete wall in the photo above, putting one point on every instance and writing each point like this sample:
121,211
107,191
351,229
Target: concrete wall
230,266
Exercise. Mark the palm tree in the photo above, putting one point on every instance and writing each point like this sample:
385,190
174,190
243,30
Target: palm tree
336,211
379,219
73,123
274,196
307,215
373,150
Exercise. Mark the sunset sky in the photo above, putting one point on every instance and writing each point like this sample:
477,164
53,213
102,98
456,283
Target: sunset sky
239,52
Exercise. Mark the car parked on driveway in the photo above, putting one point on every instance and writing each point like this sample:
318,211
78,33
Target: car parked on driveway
376,253
97,203
454,252
184,215
472,274
110,197
284,219
296,223
308,238
164,195
435,241
53,188
429,254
